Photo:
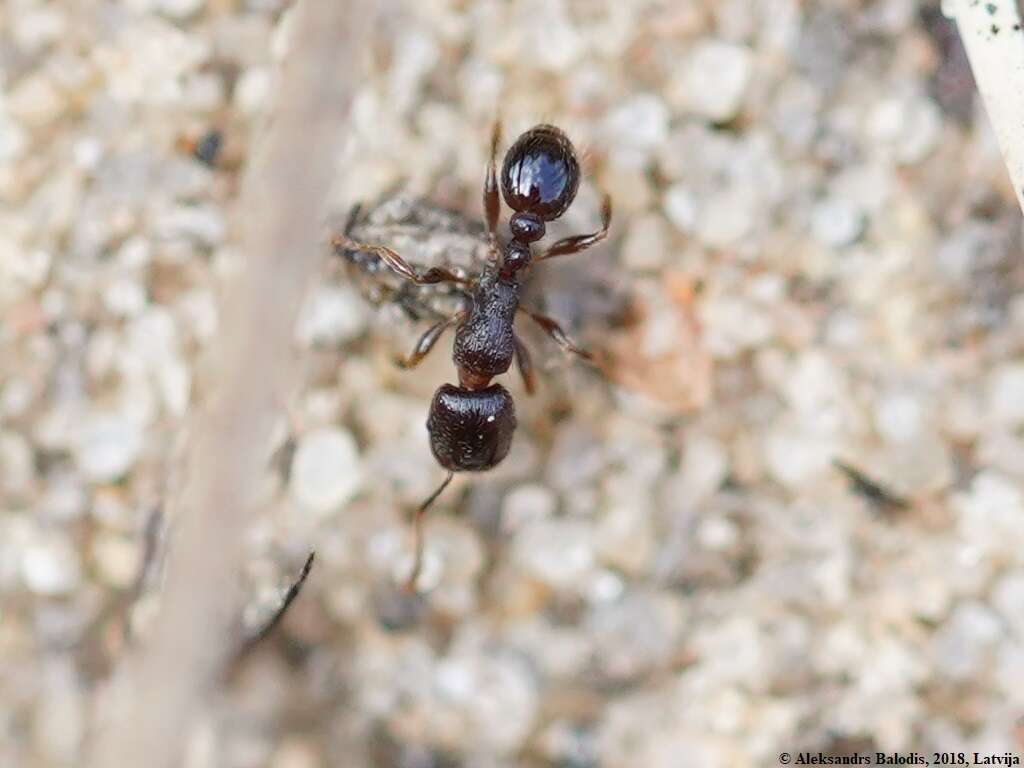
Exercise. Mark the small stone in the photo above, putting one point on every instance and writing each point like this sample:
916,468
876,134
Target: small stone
35,28
13,138
494,696
60,719
636,128
725,218
64,498
332,316
705,466
106,446
50,566
1006,395
203,224
35,102
625,538
634,635
551,40
907,127
526,504
961,644
180,9
253,90
576,457
174,383
116,558
647,243
17,464
714,80
557,552
836,222
326,471
899,417
296,752
124,297
794,456
681,208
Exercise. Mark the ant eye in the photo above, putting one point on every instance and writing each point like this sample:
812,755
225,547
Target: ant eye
540,173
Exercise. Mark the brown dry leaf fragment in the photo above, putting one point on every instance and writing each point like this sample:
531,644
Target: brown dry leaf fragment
661,354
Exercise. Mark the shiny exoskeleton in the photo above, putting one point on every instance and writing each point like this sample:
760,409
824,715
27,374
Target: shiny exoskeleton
471,424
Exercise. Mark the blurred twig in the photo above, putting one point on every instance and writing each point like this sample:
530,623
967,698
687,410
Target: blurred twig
993,36
282,199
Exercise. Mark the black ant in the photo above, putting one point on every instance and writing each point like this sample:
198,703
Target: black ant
471,424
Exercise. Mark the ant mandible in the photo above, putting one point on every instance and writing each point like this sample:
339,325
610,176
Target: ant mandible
471,424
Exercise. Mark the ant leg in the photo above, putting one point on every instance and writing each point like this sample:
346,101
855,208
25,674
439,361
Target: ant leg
554,330
417,523
397,264
492,201
525,364
289,597
429,339
582,242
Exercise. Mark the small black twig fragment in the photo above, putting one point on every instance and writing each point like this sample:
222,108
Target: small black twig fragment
882,498
207,149
289,597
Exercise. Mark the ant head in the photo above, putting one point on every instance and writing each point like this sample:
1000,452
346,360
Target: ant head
540,173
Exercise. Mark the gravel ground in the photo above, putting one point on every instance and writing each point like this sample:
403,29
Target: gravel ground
814,265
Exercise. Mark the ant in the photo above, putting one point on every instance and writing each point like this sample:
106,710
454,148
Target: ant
471,424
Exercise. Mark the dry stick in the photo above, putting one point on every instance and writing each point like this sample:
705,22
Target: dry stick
994,39
280,215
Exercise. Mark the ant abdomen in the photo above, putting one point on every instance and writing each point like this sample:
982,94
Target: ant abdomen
471,430
540,176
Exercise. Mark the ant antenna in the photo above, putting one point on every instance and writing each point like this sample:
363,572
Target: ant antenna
293,592
417,522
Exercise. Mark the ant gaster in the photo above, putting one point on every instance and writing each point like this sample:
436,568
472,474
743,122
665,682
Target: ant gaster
471,424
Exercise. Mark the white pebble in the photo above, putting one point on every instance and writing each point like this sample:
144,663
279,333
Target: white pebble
647,243
106,446
526,504
35,101
899,417
725,218
557,552
705,466
51,566
17,464
836,222
551,39
637,127
116,558
961,644
326,470
1006,395
253,90
908,127
124,297
181,9
713,81
331,316
681,208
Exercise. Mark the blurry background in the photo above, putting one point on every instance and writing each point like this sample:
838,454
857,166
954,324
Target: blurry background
815,257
